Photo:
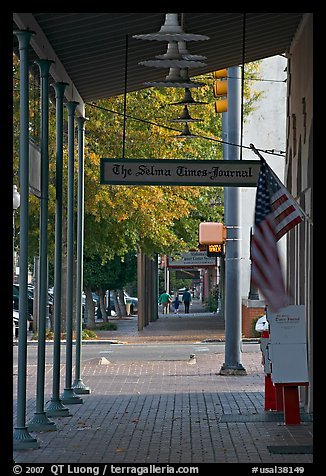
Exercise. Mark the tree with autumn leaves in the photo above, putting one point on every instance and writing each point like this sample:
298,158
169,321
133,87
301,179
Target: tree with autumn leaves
123,219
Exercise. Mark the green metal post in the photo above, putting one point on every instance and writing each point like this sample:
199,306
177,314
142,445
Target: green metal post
78,385
69,395
40,421
55,407
21,437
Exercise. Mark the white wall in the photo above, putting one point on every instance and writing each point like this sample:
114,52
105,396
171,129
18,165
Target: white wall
265,128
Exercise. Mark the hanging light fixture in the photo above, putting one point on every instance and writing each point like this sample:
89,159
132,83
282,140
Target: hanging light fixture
177,78
187,99
182,50
185,117
171,31
185,134
173,58
186,55
178,59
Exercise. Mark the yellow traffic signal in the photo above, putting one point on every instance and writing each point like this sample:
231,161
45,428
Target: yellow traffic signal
220,73
221,105
220,90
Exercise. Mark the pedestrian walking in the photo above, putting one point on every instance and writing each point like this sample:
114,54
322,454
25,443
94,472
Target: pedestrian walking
186,299
176,304
165,299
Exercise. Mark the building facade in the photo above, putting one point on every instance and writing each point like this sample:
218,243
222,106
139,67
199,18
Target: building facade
299,181
265,128
283,120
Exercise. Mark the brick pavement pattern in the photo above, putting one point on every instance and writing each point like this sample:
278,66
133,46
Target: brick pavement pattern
165,411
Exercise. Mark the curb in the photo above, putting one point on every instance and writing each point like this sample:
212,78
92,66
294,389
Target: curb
120,342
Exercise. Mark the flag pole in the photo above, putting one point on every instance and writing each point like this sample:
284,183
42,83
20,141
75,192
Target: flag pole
304,214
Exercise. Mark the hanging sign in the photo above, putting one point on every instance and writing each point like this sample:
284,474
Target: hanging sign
197,259
226,173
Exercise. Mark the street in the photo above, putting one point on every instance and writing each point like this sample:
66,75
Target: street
137,352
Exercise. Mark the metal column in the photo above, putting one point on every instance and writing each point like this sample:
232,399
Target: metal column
22,438
69,395
55,407
140,290
40,421
232,364
78,385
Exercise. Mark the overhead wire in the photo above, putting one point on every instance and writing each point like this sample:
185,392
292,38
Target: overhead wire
146,121
266,151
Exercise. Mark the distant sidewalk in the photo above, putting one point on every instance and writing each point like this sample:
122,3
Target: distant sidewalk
197,326
192,327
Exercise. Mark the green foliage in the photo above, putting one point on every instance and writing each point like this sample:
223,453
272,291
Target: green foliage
88,334
107,326
175,283
112,274
123,218
212,301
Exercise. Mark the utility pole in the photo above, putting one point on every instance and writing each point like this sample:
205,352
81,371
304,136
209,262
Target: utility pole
232,364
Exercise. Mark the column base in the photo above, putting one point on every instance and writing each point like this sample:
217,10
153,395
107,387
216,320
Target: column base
69,397
80,388
56,409
40,422
237,369
23,440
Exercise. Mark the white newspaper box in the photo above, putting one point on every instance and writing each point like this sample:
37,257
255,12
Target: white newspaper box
287,348
289,363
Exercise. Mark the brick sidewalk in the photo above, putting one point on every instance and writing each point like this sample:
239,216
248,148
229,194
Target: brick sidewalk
196,326
166,412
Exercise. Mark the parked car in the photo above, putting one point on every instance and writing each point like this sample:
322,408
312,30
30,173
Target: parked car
30,295
15,298
133,301
50,298
15,320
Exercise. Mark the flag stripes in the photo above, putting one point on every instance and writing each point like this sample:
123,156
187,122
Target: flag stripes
266,266
286,211
275,214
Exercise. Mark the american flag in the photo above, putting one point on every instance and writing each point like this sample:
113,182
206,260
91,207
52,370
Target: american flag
276,213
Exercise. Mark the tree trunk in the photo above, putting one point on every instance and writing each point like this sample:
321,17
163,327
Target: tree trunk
116,304
90,308
122,302
101,294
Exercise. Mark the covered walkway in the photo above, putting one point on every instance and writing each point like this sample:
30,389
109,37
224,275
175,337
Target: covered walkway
137,412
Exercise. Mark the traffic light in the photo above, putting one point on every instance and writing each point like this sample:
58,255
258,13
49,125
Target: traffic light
212,233
220,90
